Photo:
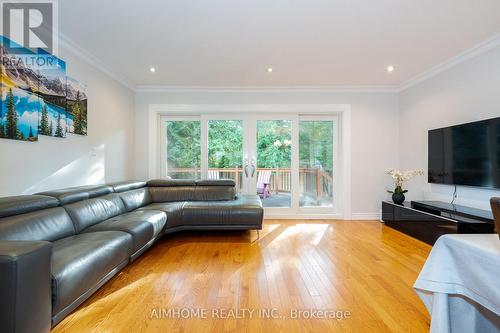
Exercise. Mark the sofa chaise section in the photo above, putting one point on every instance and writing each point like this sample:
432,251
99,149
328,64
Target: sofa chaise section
243,213
204,205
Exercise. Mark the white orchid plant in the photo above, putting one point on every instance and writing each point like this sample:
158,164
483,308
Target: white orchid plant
399,177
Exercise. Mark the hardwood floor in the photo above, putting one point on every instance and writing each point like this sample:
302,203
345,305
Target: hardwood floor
362,270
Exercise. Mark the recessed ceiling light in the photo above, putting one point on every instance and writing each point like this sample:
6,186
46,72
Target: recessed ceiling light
269,70
152,69
390,68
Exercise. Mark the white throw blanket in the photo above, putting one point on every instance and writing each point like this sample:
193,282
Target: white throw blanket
460,284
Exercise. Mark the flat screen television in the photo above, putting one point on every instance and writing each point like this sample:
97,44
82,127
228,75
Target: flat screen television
467,154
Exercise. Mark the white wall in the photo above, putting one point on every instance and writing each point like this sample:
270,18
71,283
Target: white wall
387,130
374,133
465,93
106,154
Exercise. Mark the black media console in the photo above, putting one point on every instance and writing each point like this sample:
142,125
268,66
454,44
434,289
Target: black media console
428,220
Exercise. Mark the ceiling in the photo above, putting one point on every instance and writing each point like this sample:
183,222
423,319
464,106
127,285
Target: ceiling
231,43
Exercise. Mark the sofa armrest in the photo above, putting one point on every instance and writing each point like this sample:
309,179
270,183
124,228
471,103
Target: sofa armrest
25,286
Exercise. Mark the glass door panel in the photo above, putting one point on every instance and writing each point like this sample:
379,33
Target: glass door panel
225,150
289,160
274,161
316,163
183,149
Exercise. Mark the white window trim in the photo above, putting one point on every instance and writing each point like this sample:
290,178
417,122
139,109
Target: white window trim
342,111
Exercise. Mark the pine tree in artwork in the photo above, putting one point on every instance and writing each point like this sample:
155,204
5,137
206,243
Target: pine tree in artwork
83,120
44,121
59,130
51,128
2,132
11,117
77,115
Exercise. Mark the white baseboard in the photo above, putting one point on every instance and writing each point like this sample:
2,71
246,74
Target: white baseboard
272,216
354,216
365,216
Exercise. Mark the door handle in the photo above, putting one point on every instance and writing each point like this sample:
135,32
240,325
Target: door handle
246,169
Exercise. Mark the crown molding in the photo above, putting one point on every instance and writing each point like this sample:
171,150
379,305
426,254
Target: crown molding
462,57
268,89
92,60
468,54
248,108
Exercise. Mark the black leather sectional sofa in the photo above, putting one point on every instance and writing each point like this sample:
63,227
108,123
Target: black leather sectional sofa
58,247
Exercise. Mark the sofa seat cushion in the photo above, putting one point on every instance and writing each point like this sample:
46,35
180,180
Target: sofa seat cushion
172,209
144,226
245,210
80,262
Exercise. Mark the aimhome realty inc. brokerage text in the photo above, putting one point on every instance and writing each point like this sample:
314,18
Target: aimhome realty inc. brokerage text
242,313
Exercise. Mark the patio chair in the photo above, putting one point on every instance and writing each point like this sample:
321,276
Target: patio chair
264,183
213,174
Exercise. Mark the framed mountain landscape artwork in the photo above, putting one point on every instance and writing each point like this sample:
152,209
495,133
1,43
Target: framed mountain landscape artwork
19,103
52,93
76,106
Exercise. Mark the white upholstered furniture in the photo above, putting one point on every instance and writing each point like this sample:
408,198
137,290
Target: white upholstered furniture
460,284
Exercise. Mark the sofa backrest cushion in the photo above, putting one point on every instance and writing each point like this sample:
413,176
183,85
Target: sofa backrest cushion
120,187
212,193
25,203
135,199
88,212
169,194
42,225
171,182
74,194
169,190
215,182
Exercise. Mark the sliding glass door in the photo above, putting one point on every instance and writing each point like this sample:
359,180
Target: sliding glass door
182,148
274,150
289,160
316,160
225,150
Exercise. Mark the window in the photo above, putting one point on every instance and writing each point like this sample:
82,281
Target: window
183,149
225,150
316,163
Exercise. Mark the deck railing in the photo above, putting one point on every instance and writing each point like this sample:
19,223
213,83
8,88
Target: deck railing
312,180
